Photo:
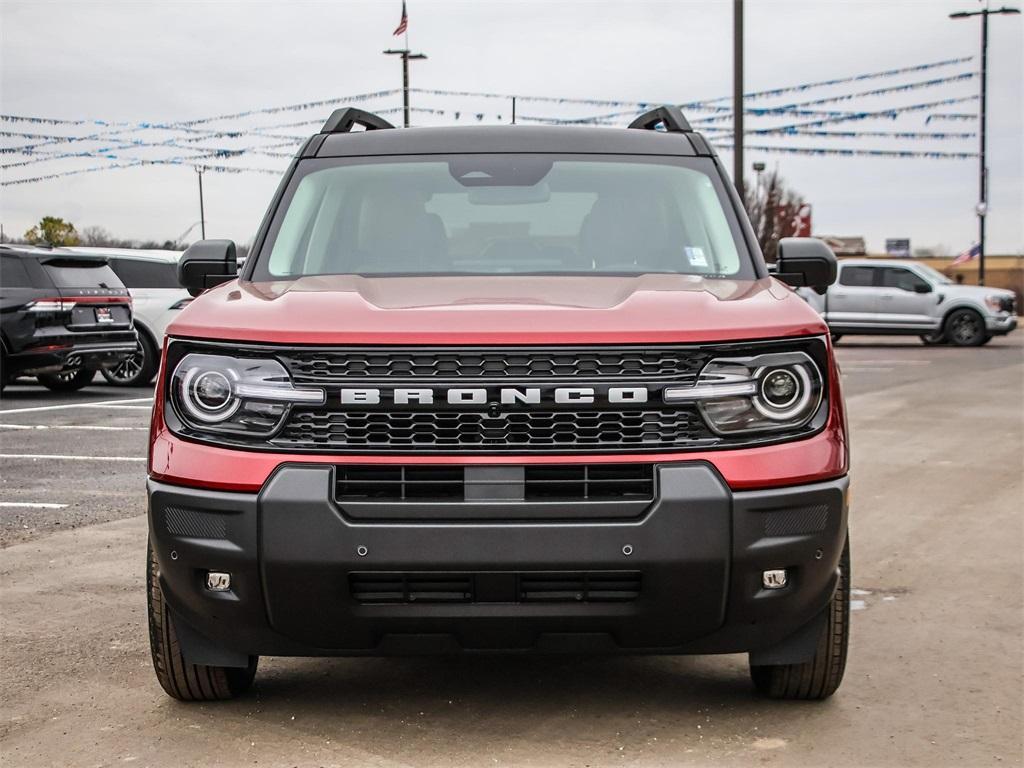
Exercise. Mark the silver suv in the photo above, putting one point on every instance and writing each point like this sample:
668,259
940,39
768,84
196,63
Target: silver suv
872,296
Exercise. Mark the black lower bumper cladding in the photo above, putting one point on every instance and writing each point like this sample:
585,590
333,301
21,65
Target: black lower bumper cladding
684,575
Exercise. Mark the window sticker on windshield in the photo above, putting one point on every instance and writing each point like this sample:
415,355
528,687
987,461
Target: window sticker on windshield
696,256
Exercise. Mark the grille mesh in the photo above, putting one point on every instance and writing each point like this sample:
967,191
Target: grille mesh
680,364
397,483
550,429
526,587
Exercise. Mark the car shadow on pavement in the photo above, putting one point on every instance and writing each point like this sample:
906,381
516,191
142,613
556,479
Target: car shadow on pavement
542,685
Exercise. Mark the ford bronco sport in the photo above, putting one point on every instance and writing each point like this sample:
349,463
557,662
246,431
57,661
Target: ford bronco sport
499,389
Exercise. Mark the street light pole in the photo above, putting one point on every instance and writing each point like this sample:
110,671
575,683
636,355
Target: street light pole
406,54
202,214
982,207
737,95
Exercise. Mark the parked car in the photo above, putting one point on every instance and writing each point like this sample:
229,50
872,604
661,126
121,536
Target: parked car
499,388
62,317
875,296
152,280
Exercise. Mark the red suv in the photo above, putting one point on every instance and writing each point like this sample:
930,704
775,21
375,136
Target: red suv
500,389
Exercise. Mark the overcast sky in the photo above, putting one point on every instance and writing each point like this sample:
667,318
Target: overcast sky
175,61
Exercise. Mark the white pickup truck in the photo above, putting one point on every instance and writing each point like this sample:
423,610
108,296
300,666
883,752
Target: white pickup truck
873,296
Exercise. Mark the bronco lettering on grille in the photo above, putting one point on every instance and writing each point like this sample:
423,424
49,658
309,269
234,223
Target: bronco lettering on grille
470,397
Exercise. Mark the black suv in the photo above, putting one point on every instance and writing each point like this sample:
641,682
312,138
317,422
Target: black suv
62,317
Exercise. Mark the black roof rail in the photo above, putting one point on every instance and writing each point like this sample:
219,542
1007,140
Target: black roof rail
342,120
670,116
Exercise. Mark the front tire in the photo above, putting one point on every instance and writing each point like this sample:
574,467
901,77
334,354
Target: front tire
965,328
819,677
137,370
180,679
67,381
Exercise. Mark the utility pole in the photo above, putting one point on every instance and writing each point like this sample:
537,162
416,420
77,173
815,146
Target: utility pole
406,55
982,206
737,95
202,214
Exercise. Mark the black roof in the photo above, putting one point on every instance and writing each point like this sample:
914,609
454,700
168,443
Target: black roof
510,138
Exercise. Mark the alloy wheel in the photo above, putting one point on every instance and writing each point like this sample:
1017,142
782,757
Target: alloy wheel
965,328
128,369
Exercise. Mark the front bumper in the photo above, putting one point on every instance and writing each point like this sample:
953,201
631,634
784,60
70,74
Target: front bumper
691,564
998,325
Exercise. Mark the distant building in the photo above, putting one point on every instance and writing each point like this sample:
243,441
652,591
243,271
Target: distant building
845,246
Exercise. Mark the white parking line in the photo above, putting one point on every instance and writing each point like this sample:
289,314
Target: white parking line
67,457
96,404
896,361
124,407
74,426
31,505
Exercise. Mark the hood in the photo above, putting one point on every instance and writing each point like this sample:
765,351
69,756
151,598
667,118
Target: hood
498,309
977,292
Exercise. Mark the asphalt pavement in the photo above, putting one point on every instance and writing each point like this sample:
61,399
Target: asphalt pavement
935,677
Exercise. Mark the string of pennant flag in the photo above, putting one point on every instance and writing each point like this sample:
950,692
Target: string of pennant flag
204,141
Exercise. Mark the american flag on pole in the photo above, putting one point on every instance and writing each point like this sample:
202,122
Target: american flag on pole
404,23
971,253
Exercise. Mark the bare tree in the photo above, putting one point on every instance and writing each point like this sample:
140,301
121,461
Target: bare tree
773,209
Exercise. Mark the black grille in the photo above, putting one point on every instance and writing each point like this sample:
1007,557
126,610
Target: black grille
549,482
399,483
678,364
589,482
599,587
500,587
473,430
411,587
1008,304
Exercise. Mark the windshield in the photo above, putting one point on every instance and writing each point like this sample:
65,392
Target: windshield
934,275
504,214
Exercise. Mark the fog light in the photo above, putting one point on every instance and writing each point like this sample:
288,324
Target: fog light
216,581
774,579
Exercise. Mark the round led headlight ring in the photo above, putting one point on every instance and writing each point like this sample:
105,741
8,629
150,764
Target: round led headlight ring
783,393
208,395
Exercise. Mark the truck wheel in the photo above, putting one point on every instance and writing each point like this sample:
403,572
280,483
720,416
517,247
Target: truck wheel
965,328
180,679
67,381
836,337
932,339
137,370
820,677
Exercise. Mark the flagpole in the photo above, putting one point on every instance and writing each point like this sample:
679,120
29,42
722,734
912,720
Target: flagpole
406,54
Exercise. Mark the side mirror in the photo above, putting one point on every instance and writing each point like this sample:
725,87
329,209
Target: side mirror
922,288
806,262
206,264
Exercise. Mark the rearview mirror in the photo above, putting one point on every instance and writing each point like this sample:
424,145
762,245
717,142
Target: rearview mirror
922,288
206,264
806,262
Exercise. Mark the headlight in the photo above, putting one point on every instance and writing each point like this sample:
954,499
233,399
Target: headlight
994,302
220,393
763,393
